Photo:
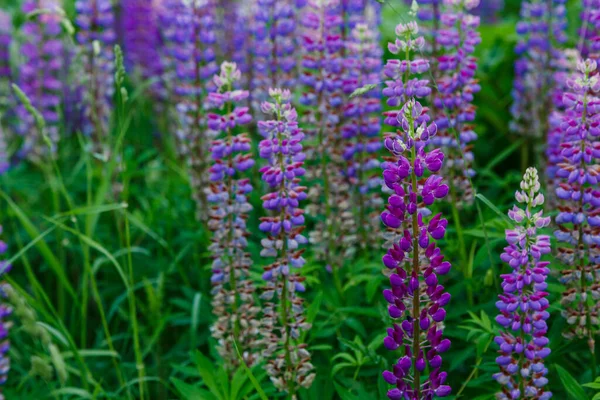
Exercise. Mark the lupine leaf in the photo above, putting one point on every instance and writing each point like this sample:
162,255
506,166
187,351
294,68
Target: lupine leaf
573,388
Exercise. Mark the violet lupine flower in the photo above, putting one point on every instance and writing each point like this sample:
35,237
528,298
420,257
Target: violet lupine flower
488,10
95,19
283,316
589,31
539,30
5,325
233,301
457,37
579,211
523,304
5,81
40,75
192,41
416,299
322,68
142,42
274,44
362,126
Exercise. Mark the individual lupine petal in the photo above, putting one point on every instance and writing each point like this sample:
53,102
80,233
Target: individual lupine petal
40,76
282,148
523,299
95,19
416,300
232,288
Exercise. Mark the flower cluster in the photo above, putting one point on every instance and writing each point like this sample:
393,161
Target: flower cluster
542,25
579,210
233,301
523,304
5,312
95,19
274,44
457,38
5,80
142,42
590,28
416,299
289,361
40,74
489,9
361,127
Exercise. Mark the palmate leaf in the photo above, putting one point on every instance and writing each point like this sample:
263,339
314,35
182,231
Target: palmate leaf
191,392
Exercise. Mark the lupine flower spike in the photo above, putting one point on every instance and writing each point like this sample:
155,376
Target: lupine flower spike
95,19
40,75
456,85
361,128
5,81
416,299
523,304
233,301
283,316
579,210
5,325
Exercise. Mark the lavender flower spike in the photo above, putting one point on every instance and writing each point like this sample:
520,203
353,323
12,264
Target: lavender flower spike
289,361
233,301
416,300
523,305
95,19
579,210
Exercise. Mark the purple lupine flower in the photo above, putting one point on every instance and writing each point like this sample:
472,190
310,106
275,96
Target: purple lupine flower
361,127
233,290
5,81
95,19
523,304
40,75
589,31
488,10
274,43
190,40
416,299
289,361
5,312
142,42
457,37
322,69
540,29
579,211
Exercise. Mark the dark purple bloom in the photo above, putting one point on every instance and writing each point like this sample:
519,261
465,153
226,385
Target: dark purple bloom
488,10
233,302
523,304
416,300
283,225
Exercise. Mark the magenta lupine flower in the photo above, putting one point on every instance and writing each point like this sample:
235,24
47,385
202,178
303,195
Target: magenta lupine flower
5,312
360,131
40,74
142,42
416,299
283,315
274,44
233,301
457,37
542,27
579,209
523,304
95,20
